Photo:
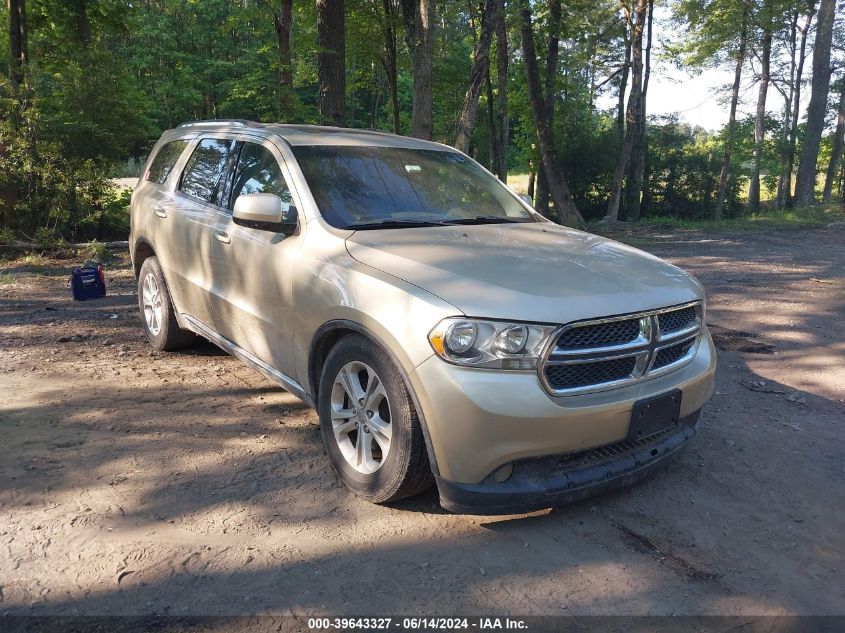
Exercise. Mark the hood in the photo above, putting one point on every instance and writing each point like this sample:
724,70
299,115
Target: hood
525,272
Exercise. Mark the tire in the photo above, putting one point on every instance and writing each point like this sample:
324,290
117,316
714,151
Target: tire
403,470
157,314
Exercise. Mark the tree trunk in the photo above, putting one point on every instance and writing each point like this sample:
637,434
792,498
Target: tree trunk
502,85
282,22
19,49
567,212
632,113
783,184
480,64
805,184
729,134
552,56
760,116
18,40
419,31
331,62
532,178
390,60
836,151
493,163
796,104
83,24
623,86
636,165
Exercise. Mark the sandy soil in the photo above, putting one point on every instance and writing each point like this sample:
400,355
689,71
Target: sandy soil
133,482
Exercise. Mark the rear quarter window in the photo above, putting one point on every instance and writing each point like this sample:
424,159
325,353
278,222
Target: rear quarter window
164,161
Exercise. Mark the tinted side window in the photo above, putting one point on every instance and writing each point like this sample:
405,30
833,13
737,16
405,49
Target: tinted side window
258,172
206,165
164,161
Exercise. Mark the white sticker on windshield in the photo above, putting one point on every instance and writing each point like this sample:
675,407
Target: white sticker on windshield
410,168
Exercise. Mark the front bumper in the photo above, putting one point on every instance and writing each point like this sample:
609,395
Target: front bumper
478,420
552,481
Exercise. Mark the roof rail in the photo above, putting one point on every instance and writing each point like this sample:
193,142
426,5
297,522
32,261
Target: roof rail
239,122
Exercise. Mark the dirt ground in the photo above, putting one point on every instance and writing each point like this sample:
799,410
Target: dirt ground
133,482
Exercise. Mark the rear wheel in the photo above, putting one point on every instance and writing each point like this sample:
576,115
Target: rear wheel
157,313
370,428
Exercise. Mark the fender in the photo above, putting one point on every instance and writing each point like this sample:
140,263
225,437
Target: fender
313,379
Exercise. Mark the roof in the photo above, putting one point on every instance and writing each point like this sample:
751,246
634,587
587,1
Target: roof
298,135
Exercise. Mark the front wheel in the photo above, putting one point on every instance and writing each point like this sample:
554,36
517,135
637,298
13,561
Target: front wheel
369,424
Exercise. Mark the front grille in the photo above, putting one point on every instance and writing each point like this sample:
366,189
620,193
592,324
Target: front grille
672,354
609,452
600,334
616,351
676,320
592,373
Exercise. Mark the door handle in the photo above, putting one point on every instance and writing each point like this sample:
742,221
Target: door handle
222,237
159,210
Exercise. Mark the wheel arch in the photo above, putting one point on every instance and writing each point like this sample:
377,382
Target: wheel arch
324,339
143,250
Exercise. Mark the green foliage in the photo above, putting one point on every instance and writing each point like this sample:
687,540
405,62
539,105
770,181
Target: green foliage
56,191
97,252
106,77
816,215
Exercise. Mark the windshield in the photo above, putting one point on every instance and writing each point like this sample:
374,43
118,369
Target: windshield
389,187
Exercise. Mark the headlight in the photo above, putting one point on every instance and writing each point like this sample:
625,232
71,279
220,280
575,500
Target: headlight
490,344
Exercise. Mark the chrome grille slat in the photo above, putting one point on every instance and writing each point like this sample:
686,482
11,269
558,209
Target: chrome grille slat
669,322
673,354
570,376
600,335
612,352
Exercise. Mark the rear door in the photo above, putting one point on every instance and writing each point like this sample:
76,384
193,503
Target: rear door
188,213
251,268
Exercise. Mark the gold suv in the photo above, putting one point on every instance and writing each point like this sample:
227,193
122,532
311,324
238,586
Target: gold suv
444,331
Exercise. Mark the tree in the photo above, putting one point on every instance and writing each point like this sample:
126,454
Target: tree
552,70
838,139
721,196
18,39
767,20
282,23
637,18
480,66
636,165
419,27
567,212
331,61
390,59
793,102
19,57
502,55
805,184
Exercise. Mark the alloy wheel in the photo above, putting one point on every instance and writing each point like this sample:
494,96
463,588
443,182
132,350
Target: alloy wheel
151,299
361,419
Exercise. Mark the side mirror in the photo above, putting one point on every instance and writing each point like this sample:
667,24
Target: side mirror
266,212
527,199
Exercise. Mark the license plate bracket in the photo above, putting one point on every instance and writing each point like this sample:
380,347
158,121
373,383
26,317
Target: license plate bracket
655,414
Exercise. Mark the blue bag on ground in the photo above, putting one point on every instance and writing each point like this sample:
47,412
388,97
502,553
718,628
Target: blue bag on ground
88,282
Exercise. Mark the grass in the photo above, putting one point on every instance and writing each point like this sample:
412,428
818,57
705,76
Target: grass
6,279
32,259
818,215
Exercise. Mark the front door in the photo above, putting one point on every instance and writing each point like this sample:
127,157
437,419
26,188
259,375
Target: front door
251,269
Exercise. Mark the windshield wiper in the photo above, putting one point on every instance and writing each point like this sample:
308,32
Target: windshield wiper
391,224
484,219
